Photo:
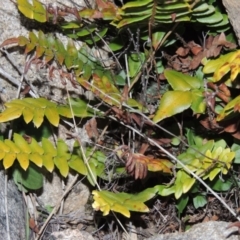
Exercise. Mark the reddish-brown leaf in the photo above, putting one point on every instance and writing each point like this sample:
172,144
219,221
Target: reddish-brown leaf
9,41
173,16
223,87
33,226
91,129
195,48
182,52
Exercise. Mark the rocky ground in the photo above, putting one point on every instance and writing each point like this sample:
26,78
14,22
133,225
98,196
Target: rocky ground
76,220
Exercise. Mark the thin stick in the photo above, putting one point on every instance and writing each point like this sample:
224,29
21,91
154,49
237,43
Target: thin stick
14,82
119,64
12,61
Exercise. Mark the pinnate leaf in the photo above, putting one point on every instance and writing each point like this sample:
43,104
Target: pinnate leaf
103,87
23,159
62,165
52,115
183,183
61,160
36,11
10,114
35,110
21,143
77,164
38,116
9,159
122,202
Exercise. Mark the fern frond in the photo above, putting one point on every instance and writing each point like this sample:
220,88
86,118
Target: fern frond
122,202
23,151
36,109
76,28
36,10
80,61
169,12
48,155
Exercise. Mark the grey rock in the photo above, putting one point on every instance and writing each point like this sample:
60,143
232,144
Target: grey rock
15,211
203,231
232,8
71,234
74,201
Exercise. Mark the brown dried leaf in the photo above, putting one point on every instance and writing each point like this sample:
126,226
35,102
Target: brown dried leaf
236,135
33,226
214,51
173,16
185,61
196,217
196,61
195,48
231,128
10,41
223,97
138,164
136,118
91,129
176,65
236,107
182,52
26,90
221,40
211,124
124,97
162,141
135,165
214,218
208,42
143,148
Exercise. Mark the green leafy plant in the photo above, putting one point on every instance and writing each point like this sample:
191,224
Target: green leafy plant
146,94
208,161
187,93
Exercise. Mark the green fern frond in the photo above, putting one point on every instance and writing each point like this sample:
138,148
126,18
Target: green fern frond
158,12
74,29
122,202
211,159
47,155
36,10
36,109
24,152
81,61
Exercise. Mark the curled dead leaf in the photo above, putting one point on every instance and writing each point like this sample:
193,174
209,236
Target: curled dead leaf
195,48
137,164
91,129
182,52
